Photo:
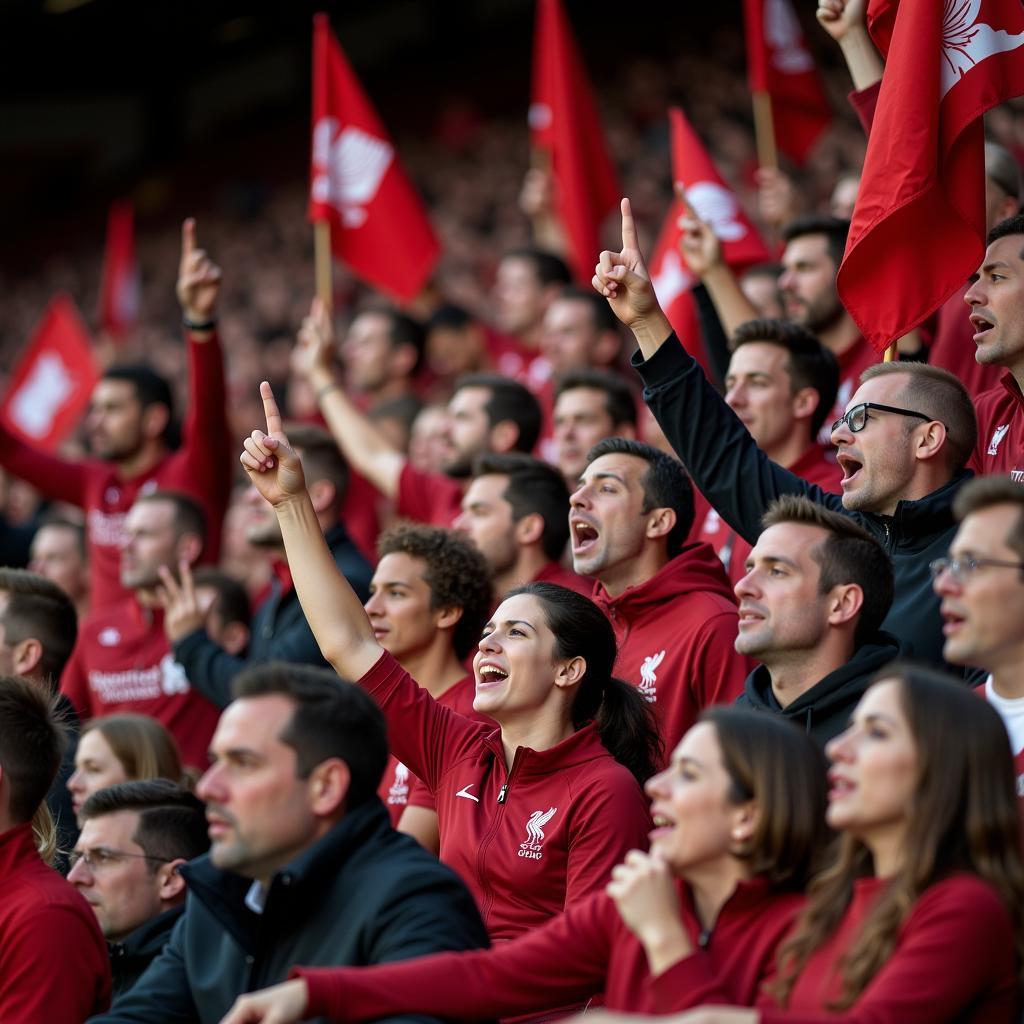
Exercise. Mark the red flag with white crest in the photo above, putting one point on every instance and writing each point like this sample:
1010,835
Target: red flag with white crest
118,311
780,64
918,226
50,387
379,227
564,124
715,203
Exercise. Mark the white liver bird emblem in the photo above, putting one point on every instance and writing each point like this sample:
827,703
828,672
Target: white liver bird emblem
966,42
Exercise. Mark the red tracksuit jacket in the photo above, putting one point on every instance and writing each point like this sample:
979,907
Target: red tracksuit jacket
529,841
54,965
1000,430
675,635
583,950
203,467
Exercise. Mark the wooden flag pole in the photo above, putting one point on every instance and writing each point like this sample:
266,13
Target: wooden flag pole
890,354
764,130
322,259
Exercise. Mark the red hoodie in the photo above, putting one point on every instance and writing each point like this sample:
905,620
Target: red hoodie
954,961
581,951
54,965
529,841
675,635
1000,446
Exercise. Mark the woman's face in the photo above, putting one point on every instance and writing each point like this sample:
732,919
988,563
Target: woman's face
96,766
874,771
515,667
695,822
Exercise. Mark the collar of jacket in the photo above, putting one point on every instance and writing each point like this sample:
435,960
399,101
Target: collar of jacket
928,516
17,851
296,890
582,746
148,939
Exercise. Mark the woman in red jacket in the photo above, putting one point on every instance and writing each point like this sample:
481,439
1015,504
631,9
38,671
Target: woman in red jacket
737,840
534,814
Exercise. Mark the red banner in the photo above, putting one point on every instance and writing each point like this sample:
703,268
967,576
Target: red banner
50,387
379,227
118,311
918,226
565,125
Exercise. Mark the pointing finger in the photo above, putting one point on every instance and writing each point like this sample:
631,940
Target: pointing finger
629,239
271,410
188,237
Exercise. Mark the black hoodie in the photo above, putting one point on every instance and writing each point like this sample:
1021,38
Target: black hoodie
824,710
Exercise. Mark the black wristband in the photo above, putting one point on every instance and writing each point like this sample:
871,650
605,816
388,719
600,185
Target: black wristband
195,325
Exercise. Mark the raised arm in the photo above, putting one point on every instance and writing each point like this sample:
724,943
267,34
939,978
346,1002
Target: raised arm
332,609
846,22
362,444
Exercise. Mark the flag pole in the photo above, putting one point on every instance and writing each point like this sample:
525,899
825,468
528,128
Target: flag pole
890,354
322,257
764,131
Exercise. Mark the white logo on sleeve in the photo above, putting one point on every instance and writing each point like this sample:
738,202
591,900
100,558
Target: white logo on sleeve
465,793
108,637
997,438
531,849
648,676
349,168
173,680
398,793
966,42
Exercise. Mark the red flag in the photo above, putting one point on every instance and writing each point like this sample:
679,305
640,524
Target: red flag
51,385
715,203
779,63
379,227
118,310
564,124
919,223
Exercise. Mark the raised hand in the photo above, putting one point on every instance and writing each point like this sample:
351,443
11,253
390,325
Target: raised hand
623,279
777,196
645,895
198,277
313,354
272,465
699,246
177,597
280,1004
838,17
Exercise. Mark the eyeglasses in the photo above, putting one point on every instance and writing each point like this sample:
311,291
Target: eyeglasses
963,568
857,417
101,857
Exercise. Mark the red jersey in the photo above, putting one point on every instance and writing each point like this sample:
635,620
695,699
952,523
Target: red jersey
428,497
817,465
580,952
528,840
954,960
203,467
54,964
1000,430
123,662
675,635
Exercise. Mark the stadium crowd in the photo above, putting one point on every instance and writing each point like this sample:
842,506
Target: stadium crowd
508,656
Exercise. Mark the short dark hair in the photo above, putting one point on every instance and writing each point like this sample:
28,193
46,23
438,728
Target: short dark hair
940,395
619,402
38,609
231,600
32,740
172,821
810,364
331,718
511,401
456,572
321,457
150,387
449,316
986,491
534,486
665,484
402,329
1010,226
602,317
848,555
549,268
835,230
189,516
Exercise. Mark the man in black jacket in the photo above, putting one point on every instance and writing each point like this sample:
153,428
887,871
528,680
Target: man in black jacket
304,867
815,593
902,444
279,629
135,836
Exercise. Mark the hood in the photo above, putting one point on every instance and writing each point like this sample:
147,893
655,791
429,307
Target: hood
696,569
838,689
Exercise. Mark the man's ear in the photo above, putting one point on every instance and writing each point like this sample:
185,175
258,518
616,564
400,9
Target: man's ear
805,403
188,548
329,784
447,618
170,884
529,529
504,436
660,522
931,441
26,656
155,418
323,494
845,602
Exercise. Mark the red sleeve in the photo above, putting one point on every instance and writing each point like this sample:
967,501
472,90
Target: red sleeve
955,956
75,685
422,734
56,478
692,981
420,796
515,977
428,497
30,991
864,102
604,829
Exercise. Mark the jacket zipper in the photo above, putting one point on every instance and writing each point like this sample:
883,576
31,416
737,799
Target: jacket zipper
488,839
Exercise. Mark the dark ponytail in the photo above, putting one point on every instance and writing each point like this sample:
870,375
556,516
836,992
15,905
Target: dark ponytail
625,721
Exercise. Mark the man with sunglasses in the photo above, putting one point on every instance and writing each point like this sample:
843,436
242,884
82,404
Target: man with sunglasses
902,444
134,838
981,585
